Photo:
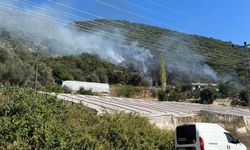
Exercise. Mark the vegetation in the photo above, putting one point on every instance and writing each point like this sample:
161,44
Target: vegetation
127,91
207,96
163,75
176,96
80,67
218,54
244,96
224,90
17,66
85,92
57,89
162,95
30,120
90,68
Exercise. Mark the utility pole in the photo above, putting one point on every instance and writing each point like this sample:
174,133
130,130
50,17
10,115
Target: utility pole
248,68
247,72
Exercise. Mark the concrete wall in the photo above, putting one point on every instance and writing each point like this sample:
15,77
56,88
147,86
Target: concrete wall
169,122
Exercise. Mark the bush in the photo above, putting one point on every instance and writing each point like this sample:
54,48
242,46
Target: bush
84,91
127,91
207,96
224,90
243,96
31,120
57,89
174,96
93,78
137,79
86,67
162,95
153,92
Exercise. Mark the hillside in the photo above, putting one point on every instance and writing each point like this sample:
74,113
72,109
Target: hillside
122,54
219,55
18,58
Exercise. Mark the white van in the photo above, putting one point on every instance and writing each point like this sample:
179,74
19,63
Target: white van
205,136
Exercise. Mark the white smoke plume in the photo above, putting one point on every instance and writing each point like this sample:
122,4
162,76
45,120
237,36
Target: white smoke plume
185,63
67,40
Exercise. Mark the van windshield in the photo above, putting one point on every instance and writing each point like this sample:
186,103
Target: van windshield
186,134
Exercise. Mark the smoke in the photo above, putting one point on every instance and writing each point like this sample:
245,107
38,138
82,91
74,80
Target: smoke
67,40
184,63
181,61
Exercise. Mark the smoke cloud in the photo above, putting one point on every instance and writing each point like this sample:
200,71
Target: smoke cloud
186,64
67,40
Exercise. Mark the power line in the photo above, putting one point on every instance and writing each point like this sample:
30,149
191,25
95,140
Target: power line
116,22
226,63
112,35
90,23
131,13
100,17
76,17
172,10
223,55
153,12
60,4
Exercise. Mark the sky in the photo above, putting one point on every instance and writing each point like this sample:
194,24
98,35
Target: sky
227,20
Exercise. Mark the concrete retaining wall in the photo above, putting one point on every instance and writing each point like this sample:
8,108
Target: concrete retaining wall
169,122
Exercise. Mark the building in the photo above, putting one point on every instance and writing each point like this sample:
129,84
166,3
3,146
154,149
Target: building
201,86
95,87
198,86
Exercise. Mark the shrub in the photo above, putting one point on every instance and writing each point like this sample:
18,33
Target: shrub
162,95
174,96
224,90
137,79
127,91
207,96
31,120
84,91
93,78
243,96
153,92
3,55
57,89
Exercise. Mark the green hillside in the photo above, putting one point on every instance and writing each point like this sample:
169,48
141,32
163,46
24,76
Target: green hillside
18,57
18,66
219,55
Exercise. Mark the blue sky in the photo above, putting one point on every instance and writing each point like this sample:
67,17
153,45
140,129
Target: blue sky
227,20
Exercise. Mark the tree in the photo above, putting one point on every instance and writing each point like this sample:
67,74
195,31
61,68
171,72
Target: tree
162,95
207,96
174,96
163,75
224,90
243,96
93,78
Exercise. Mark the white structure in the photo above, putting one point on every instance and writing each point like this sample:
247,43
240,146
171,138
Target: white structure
95,87
201,136
200,86
162,114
